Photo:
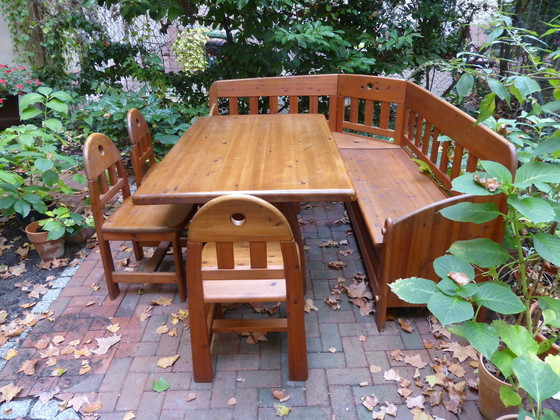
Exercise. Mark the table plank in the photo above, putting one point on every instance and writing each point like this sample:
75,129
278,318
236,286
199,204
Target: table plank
280,158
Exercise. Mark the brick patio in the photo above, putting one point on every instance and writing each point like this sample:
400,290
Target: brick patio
122,378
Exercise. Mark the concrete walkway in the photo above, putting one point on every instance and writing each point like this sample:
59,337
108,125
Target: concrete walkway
342,347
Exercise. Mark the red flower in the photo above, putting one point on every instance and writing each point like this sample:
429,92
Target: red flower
22,68
8,71
1,100
3,65
19,86
2,81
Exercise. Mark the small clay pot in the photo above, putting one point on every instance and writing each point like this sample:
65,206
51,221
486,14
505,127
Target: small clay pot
80,236
46,248
489,403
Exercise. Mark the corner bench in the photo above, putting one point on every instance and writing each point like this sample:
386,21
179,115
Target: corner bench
380,124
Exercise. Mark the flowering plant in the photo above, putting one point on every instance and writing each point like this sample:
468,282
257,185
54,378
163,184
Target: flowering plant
16,81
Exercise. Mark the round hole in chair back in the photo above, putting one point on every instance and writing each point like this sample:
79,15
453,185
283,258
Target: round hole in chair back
238,219
101,150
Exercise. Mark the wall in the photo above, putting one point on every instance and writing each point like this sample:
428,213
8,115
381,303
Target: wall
6,52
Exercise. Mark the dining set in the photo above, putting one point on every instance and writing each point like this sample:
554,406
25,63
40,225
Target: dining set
228,192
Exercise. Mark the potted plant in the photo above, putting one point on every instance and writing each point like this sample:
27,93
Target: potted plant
63,223
47,249
531,241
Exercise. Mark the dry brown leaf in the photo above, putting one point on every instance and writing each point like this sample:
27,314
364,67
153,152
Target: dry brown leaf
255,337
365,383
232,401
457,370
427,344
84,351
9,392
11,353
191,396
95,286
28,367
58,371
346,252
370,402
397,355
415,361
404,392
329,244
337,265
106,343
420,415
114,327
332,301
417,401
406,325
162,301
129,415
90,303
374,368
51,362
416,373
46,396
74,343
57,339
42,343
280,395
462,352
85,368
435,396
309,306
404,383
92,407
362,338
166,362
144,316
172,333
50,351
27,305
392,375
162,329
67,350
332,349
77,401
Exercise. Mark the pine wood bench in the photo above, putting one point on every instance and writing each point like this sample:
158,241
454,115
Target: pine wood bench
380,124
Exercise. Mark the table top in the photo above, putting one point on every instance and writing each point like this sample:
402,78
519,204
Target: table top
280,158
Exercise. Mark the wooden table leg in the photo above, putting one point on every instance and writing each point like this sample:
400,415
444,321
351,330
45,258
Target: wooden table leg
291,210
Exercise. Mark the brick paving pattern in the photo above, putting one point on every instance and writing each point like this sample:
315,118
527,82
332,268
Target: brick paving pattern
122,378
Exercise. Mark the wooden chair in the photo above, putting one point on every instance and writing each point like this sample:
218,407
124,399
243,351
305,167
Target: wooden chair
160,224
241,249
142,152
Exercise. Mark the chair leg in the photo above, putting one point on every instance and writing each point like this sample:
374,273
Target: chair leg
297,347
108,269
179,267
200,342
138,251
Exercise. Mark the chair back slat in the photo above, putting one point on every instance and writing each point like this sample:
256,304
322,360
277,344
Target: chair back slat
224,255
142,152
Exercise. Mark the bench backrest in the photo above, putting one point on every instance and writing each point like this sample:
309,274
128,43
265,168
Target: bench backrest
426,126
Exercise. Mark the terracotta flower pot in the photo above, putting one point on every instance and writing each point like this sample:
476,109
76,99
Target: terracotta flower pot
47,249
489,403
80,236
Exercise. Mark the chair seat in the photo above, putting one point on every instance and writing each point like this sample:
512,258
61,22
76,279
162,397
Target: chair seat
131,219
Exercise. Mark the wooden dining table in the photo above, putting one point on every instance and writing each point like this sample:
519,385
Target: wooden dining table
281,158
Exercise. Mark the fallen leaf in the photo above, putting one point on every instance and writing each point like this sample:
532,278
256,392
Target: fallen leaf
58,371
362,338
172,333
42,343
46,396
68,350
57,339
77,401
74,343
417,401
9,392
427,344
191,396
329,244
332,349
85,368
255,337
162,301
397,355
404,392
309,306
28,367
90,303
105,343
337,265
404,383
332,301
50,351
50,362
392,375
84,351
95,286
406,325
162,329
282,410
92,407
232,401
280,395
415,361
166,362
27,305
462,352
144,316
374,368
365,383
160,385
129,415
11,353
114,327
370,401
420,415
457,370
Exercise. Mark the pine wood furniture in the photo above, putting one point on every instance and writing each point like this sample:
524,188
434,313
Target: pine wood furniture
241,249
142,151
379,124
160,224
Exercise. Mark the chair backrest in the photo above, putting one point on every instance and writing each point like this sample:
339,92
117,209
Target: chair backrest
142,152
105,174
239,218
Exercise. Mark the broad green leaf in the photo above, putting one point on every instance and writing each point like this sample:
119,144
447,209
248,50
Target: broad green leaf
471,212
464,84
79,178
503,359
509,397
30,112
536,377
548,246
515,92
10,178
448,286
57,105
465,184
548,147
50,178
54,124
535,209
553,360
29,99
22,207
160,385
526,85
44,164
516,337
534,172
414,289
499,89
44,90
56,233
498,299
487,107
551,106
481,252
450,310
482,337
495,34
497,170
63,96
31,198
553,304
450,263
